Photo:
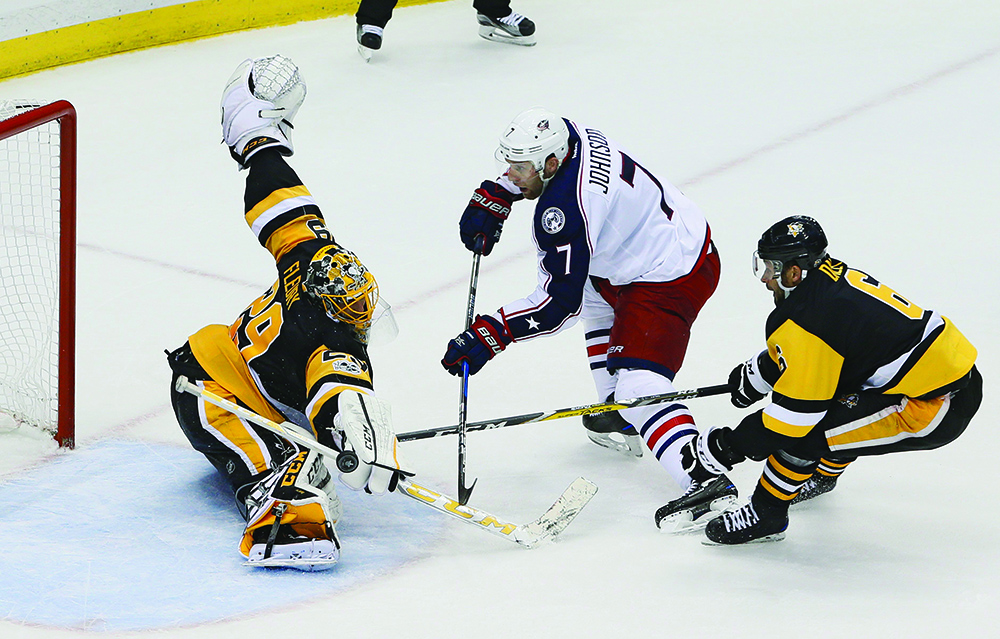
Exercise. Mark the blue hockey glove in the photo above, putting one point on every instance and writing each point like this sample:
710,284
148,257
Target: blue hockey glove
485,215
485,338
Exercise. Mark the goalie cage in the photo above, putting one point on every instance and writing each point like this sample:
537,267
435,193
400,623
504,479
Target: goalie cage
38,266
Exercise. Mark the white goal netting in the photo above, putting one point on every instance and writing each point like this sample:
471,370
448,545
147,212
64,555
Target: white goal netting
30,206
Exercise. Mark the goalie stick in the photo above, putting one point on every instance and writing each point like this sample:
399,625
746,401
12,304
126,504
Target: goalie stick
589,409
550,524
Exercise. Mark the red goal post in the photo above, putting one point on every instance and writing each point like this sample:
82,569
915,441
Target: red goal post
38,266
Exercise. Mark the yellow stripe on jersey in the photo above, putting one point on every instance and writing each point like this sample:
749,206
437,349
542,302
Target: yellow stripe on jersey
810,368
790,423
909,418
949,358
325,362
259,213
228,426
290,235
784,428
221,359
327,392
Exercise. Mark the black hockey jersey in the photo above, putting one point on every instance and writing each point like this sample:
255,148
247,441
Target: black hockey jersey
283,356
842,331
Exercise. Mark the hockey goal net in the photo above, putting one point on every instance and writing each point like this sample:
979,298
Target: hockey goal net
37,266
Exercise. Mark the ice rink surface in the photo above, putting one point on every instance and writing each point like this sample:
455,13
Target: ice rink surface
878,118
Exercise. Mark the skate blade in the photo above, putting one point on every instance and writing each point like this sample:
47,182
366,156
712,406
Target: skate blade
778,536
365,53
497,35
632,445
683,522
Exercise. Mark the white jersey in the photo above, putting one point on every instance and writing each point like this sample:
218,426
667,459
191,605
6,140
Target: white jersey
605,216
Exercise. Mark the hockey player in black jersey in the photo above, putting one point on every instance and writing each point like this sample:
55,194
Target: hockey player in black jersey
853,369
297,354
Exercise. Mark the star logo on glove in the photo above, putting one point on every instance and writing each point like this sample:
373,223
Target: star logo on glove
532,324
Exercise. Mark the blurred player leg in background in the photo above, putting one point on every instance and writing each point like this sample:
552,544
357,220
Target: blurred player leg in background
497,22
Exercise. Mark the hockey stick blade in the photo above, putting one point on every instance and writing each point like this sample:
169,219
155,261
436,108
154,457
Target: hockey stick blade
559,516
550,524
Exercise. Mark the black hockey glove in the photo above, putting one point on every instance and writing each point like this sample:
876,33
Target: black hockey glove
485,338
485,215
710,454
745,382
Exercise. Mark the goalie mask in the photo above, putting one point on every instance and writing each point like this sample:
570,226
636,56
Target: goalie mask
338,281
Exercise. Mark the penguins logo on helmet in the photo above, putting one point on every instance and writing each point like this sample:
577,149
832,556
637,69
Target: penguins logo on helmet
338,281
795,228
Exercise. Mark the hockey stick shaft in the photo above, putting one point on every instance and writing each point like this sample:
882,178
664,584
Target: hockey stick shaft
346,460
589,409
550,524
464,493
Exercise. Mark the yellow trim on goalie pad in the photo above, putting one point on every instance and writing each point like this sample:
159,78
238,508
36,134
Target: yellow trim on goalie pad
307,519
181,22
910,418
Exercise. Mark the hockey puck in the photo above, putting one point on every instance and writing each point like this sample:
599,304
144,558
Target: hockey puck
347,461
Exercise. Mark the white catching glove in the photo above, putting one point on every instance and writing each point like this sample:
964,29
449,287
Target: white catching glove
366,424
259,103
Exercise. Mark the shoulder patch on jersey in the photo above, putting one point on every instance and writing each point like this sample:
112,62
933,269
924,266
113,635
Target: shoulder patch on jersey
346,364
553,220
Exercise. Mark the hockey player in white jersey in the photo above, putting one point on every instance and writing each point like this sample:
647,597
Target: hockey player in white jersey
622,250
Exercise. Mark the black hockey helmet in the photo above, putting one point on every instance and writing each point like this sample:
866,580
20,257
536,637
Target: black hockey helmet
798,240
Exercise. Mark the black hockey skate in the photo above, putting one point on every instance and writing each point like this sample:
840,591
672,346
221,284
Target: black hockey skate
747,525
369,40
610,430
511,29
814,487
699,505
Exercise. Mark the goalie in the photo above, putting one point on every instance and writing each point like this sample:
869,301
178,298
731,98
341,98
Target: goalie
297,354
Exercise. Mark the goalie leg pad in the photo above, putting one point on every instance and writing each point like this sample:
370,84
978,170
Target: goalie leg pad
291,516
